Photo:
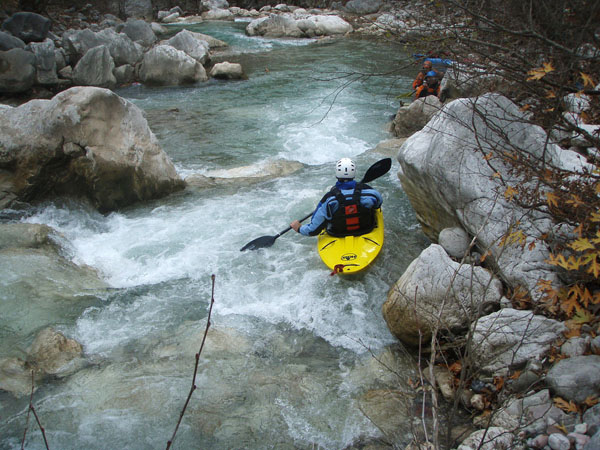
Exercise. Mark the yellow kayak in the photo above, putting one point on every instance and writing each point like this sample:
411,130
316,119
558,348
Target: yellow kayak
351,254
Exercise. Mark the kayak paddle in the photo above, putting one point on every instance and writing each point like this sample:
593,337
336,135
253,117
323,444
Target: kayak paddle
378,169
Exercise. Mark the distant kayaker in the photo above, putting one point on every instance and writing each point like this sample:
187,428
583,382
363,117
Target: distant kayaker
430,86
427,67
347,209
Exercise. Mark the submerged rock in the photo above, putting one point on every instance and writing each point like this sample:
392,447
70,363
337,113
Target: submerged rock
51,352
245,175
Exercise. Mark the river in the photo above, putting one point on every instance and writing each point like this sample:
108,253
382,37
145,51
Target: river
291,349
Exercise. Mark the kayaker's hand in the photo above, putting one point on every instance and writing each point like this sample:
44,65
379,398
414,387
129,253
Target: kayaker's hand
295,226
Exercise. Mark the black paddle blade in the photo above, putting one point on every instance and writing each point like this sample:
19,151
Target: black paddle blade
261,242
378,169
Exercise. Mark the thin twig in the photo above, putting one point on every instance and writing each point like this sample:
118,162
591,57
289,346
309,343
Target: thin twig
193,388
37,419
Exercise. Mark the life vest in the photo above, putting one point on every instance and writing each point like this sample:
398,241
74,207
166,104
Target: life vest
351,218
424,90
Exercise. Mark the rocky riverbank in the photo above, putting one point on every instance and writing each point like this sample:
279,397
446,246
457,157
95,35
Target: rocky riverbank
527,371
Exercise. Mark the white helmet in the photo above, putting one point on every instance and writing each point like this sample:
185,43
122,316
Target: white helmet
345,169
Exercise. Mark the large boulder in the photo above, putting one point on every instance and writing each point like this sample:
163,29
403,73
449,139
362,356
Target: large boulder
274,26
28,26
84,142
45,61
166,66
95,68
122,49
315,25
287,25
436,291
447,175
17,70
509,338
190,43
414,116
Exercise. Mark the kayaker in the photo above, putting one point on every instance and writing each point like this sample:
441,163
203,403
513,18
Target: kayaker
358,203
430,86
427,67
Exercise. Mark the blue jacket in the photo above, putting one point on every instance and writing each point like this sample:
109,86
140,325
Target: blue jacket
328,205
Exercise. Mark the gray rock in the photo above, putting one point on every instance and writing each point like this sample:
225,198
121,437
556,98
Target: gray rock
124,74
215,4
122,49
414,117
509,338
455,241
18,70
138,9
15,376
218,14
446,293
170,18
488,439
28,26
363,6
449,182
274,26
158,29
167,66
526,381
531,413
191,44
594,443
8,42
595,345
85,142
227,71
592,418
52,353
558,441
95,68
576,346
575,378
45,61
139,31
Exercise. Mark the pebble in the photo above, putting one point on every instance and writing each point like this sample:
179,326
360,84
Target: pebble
539,441
558,441
478,402
578,439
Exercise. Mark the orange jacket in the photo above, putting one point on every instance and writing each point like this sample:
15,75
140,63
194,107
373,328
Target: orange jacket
424,90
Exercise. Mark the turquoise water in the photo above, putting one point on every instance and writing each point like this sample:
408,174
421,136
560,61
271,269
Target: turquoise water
290,349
